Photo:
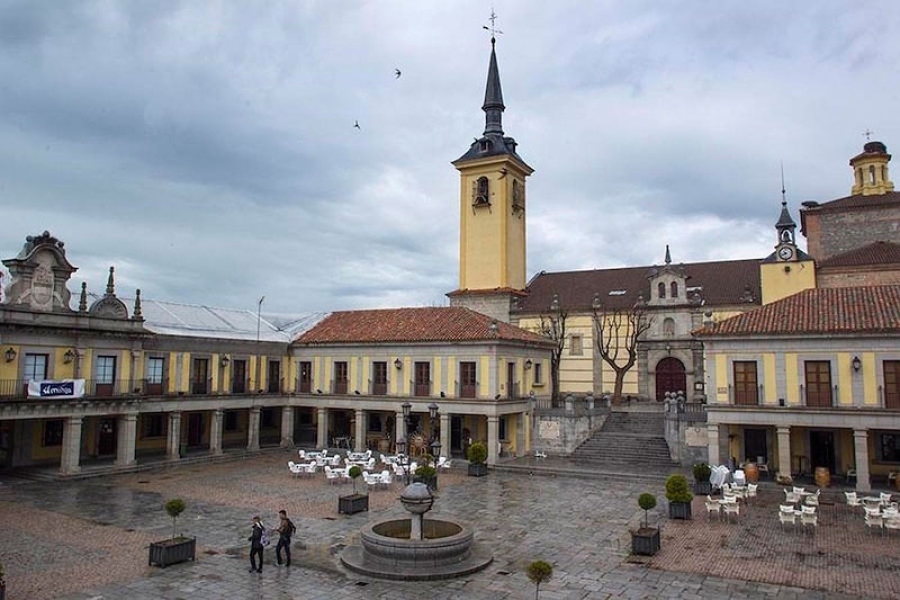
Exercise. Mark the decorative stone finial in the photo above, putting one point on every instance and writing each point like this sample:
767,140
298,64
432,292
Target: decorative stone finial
111,283
82,301
136,313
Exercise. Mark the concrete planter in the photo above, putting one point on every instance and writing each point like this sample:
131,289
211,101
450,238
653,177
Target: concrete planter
645,541
353,503
702,488
679,510
477,469
170,552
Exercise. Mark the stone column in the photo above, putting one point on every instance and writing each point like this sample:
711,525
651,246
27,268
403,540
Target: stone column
359,436
445,434
215,432
861,448
126,438
287,427
715,457
493,443
71,447
784,450
135,363
173,442
253,429
322,428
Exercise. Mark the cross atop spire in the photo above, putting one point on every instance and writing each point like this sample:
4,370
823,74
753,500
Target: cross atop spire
868,133
493,28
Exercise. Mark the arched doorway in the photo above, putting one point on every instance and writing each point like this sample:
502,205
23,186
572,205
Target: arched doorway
670,377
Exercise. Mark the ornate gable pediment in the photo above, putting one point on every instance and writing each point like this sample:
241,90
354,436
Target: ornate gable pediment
39,274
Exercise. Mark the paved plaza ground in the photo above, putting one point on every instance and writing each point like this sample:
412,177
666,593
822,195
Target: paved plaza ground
88,539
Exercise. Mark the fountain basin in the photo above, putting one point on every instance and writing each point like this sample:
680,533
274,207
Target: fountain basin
448,550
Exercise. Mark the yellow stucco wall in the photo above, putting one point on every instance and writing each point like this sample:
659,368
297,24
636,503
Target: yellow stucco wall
492,239
791,379
778,283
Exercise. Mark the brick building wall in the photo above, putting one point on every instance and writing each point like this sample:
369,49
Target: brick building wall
830,278
832,233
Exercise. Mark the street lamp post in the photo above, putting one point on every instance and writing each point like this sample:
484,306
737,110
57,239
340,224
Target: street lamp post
435,443
403,445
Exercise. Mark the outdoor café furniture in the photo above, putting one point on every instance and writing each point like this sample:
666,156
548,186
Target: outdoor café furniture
885,498
331,475
809,518
751,490
874,520
852,499
294,468
739,478
892,523
791,497
731,508
812,499
786,514
713,506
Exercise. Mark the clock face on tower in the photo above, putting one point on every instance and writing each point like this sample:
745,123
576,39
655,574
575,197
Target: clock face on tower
786,253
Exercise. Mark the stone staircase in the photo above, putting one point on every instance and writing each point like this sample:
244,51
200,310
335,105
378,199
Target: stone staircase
629,442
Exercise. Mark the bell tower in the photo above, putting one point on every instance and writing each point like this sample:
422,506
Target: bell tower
870,170
492,212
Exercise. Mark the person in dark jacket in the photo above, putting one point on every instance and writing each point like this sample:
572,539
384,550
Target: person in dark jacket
285,531
256,545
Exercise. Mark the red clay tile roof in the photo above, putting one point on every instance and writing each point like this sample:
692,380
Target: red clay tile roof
722,283
872,309
855,201
877,253
405,325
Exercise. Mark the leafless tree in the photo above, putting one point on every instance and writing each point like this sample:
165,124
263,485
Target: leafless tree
617,333
553,327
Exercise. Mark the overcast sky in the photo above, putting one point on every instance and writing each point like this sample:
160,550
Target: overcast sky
207,149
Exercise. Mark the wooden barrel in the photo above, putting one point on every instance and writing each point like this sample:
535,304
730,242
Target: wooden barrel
751,471
823,477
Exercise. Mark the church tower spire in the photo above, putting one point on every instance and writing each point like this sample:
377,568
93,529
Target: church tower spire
493,97
492,209
870,170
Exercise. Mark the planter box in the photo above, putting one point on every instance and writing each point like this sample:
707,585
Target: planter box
645,541
702,488
353,503
477,470
679,510
431,482
169,552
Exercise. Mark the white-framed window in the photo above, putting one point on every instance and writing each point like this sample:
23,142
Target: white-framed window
105,369
36,367
155,366
538,373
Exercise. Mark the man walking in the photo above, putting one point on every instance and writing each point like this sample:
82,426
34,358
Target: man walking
256,545
285,530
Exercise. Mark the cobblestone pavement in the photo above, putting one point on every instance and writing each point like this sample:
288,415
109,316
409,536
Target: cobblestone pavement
88,540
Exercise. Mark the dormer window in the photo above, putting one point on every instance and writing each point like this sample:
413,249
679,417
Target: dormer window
485,145
661,289
674,287
482,192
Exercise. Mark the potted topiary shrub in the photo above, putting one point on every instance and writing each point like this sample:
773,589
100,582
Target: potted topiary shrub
178,549
702,472
679,496
355,502
477,455
538,572
426,473
645,540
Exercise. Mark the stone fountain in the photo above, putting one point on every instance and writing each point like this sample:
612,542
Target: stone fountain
416,548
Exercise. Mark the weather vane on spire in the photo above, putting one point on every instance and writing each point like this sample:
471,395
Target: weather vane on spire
868,133
783,198
493,28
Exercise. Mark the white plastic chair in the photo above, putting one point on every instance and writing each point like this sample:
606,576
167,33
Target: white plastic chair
310,468
540,454
809,518
852,499
762,466
885,498
892,523
731,508
713,506
330,475
386,479
751,490
812,499
294,468
739,477
874,520
787,515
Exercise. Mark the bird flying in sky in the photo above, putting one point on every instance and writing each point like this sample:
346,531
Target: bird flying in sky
356,124
397,73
